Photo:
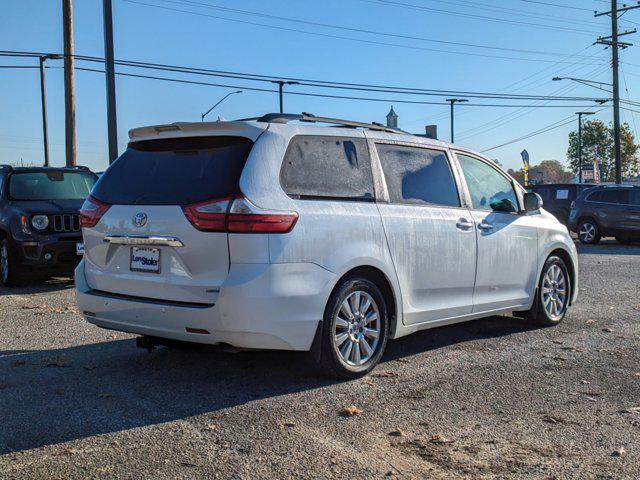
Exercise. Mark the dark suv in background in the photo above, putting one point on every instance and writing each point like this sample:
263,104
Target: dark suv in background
39,222
557,197
607,211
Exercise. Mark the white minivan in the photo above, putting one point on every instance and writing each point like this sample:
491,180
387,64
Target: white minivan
278,233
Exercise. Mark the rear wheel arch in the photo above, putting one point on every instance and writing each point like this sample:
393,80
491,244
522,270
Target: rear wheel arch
568,261
380,279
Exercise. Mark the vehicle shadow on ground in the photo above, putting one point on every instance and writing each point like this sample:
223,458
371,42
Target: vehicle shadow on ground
43,286
53,396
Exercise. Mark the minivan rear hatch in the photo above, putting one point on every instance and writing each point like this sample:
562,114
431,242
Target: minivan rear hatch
143,244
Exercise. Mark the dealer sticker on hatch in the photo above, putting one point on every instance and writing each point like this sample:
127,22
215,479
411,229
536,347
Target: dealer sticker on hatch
145,260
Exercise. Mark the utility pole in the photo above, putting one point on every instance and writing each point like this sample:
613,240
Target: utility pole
580,114
615,45
452,101
281,83
109,68
43,98
69,94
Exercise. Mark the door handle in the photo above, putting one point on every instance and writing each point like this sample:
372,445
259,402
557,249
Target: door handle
485,227
464,224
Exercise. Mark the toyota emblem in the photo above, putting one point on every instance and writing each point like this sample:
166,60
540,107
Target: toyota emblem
140,219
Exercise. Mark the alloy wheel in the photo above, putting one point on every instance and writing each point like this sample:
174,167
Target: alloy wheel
587,232
554,292
357,328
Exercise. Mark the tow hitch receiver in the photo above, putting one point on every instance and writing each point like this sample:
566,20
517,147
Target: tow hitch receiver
148,343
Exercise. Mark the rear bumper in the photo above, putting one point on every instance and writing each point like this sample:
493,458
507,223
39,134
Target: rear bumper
262,306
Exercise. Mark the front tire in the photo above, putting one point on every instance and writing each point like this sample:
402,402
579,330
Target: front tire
589,232
354,329
553,294
10,272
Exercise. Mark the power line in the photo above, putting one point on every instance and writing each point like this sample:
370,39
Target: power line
478,17
320,95
553,126
194,3
307,82
340,37
557,5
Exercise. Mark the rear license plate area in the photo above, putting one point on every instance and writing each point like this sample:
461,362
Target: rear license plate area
146,260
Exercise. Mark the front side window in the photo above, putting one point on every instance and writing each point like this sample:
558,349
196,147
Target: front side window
489,189
50,185
327,168
418,176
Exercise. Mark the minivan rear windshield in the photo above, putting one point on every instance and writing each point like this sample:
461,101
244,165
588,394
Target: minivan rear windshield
176,171
50,185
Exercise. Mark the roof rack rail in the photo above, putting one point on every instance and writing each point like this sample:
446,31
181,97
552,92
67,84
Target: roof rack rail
78,167
310,117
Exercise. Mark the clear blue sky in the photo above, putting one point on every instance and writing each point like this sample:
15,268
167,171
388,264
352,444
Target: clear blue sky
147,33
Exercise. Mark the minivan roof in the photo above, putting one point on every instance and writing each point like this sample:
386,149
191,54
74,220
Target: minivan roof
253,127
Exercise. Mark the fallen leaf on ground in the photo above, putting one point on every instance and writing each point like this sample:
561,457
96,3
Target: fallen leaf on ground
397,433
440,439
631,410
288,425
384,374
552,419
351,411
590,322
368,382
403,360
607,330
619,452
58,363
32,307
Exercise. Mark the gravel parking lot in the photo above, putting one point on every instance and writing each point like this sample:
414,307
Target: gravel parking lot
494,398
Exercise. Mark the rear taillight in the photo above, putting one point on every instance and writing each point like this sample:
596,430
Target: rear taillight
92,211
238,215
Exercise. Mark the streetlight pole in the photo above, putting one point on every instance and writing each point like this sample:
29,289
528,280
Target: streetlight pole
281,84
580,114
43,98
452,101
589,83
219,102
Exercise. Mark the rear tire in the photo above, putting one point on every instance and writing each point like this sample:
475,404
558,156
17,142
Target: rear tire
552,295
11,274
589,232
354,329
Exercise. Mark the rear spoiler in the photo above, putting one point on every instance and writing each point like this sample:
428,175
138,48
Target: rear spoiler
197,129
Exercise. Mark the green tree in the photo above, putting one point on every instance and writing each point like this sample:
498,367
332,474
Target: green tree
598,145
549,171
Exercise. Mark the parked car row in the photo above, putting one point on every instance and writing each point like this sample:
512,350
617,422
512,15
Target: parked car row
40,230
594,211
271,233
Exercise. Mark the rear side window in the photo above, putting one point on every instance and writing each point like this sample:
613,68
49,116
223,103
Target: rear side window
418,176
610,196
175,171
327,168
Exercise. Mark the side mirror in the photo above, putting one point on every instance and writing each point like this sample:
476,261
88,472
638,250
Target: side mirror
532,202
504,205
